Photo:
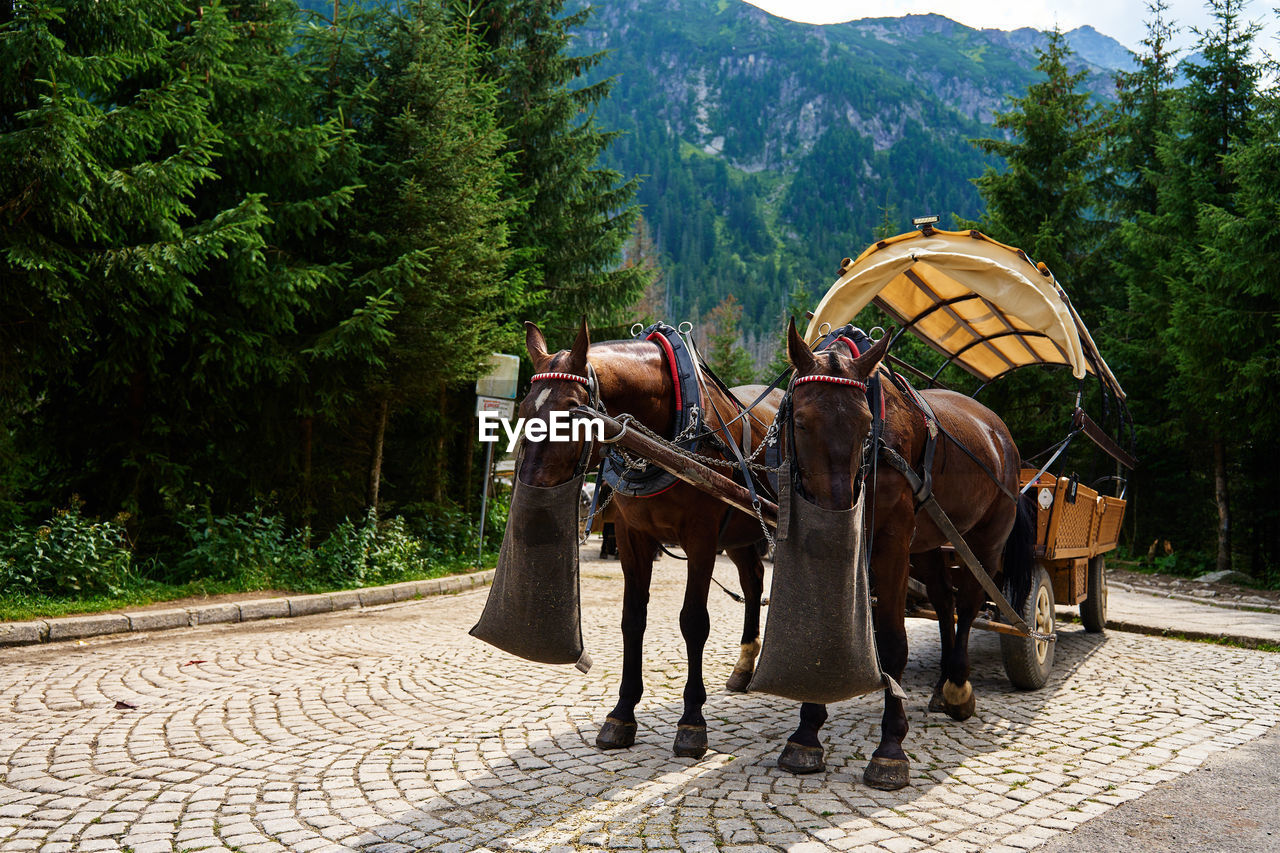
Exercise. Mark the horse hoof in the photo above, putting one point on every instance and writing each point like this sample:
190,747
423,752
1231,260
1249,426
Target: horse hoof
887,774
691,741
936,703
738,681
615,734
963,711
801,759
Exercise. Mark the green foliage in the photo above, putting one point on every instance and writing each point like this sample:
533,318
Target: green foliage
1045,199
725,356
251,547
67,555
1197,326
577,213
262,254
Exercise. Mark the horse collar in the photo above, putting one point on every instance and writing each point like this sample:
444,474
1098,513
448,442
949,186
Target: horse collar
650,479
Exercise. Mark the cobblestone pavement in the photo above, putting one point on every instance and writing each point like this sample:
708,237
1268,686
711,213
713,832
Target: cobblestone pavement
389,729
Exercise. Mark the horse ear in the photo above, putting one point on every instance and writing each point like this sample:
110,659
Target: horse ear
798,352
866,364
536,344
578,355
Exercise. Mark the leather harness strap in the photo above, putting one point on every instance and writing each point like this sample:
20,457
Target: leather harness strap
921,484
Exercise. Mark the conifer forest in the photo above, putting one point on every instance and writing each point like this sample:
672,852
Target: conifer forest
255,253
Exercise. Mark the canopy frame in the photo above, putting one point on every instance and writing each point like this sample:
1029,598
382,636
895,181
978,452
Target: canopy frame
979,303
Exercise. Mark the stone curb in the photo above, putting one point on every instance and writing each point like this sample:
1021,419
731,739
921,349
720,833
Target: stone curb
1195,599
1242,640
79,627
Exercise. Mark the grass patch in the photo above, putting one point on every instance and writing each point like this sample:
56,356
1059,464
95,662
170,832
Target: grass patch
72,564
24,606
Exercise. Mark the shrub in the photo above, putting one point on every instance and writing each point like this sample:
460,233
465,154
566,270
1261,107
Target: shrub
67,555
250,548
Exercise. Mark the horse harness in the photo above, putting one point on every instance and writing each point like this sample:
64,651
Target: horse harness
921,484
643,479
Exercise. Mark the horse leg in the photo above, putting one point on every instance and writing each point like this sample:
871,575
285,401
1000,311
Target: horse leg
635,550
957,692
751,577
803,752
695,627
931,569
889,768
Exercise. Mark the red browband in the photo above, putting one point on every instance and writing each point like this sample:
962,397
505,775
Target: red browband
553,375
835,380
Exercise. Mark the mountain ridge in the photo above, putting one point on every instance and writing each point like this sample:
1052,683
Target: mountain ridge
772,148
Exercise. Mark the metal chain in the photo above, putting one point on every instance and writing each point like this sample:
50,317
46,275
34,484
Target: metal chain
633,463
770,437
630,464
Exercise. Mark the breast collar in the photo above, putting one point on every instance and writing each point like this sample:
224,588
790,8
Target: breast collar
651,480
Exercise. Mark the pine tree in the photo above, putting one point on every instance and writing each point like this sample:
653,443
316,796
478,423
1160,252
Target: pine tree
1140,117
107,134
1234,301
1208,290
1141,120
431,231
176,182
1177,284
725,355
1045,201
575,215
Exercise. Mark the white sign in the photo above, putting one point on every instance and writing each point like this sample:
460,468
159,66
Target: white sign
496,406
500,381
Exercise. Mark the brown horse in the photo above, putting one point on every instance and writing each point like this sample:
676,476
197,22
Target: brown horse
633,378
832,419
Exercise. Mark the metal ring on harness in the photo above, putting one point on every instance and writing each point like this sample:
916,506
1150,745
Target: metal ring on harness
626,425
637,329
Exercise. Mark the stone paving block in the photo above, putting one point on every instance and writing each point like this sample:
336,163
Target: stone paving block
265,608
158,620
76,627
308,605
397,730
23,633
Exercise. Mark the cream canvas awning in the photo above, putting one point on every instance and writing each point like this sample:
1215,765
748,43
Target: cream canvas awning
977,301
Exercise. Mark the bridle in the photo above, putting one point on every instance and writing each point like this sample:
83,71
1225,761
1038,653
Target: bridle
592,383
868,447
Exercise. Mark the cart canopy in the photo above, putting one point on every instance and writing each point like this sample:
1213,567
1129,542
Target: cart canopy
982,304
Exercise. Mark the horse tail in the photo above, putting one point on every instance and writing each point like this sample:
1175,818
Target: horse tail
1019,552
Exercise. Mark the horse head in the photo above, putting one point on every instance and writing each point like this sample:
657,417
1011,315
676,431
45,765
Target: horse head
562,382
830,415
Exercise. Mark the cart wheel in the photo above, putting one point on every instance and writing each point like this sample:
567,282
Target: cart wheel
1026,661
1093,610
